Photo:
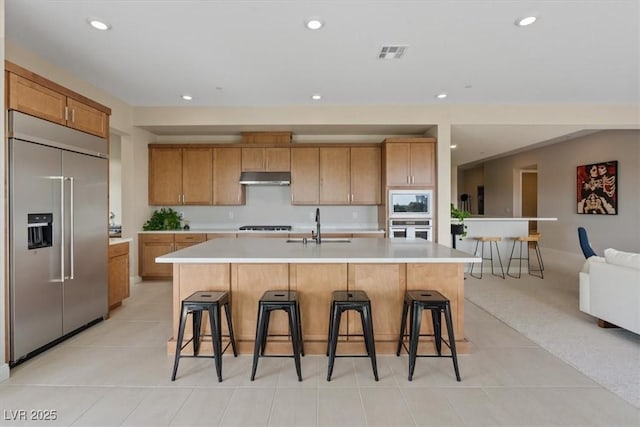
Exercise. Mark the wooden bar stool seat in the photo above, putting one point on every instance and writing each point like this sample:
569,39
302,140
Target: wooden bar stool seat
493,242
531,242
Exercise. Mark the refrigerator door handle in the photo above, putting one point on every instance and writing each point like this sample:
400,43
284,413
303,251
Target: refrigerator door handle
71,234
61,178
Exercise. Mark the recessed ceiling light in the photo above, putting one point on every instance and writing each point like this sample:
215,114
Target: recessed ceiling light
452,146
187,97
523,22
98,24
441,95
316,97
314,24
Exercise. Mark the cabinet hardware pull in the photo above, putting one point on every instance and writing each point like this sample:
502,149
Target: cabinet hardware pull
66,114
73,116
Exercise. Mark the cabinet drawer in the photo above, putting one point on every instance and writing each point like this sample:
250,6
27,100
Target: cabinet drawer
118,249
190,237
160,237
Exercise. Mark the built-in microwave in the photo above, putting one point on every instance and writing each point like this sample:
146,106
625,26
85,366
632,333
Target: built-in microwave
413,203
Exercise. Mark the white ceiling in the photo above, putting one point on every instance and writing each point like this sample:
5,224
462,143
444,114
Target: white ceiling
258,53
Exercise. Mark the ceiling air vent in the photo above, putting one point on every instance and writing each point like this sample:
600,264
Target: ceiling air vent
392,52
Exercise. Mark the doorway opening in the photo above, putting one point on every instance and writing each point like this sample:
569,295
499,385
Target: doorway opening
526,197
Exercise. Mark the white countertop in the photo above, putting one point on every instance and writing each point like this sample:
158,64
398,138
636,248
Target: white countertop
506,218
359,250
295,230
116,240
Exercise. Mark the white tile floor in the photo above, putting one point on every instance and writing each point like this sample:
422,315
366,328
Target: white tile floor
118,373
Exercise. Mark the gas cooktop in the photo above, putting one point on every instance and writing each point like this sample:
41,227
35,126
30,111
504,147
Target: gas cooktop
266,227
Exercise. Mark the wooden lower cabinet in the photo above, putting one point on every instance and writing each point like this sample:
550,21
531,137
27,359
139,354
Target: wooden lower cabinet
118,274
151,246
188,239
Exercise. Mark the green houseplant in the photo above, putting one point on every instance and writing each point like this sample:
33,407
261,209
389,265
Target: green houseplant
163,219
459,229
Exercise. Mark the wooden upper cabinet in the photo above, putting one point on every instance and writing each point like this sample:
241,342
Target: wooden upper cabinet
365,175
165,176
197,176
51,102
305,175
266,159
397,164
86,118
227,165
422,164
410,164
180,176
335,187
36,100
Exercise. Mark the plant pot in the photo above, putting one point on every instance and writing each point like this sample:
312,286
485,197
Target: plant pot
457,229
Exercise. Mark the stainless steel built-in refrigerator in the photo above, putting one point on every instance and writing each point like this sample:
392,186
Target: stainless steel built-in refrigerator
58,239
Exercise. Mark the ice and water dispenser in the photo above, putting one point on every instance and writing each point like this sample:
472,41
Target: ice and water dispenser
39,230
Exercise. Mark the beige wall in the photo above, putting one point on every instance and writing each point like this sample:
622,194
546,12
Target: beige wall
557,190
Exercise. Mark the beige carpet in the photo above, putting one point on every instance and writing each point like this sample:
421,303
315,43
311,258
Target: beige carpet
546,311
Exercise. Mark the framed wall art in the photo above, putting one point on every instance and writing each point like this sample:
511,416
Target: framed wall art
597,188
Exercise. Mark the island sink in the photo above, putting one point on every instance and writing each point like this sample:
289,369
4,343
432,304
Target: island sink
305,240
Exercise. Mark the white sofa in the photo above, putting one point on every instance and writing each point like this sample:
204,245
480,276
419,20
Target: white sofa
610,288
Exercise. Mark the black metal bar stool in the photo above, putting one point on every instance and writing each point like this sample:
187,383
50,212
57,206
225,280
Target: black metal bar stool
531,240
195,304
351,300
416,301
493,241
278,300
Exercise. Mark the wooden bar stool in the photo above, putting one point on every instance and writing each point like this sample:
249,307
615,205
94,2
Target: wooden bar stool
351,300
278,300
493,241
414,303
530,241
195,304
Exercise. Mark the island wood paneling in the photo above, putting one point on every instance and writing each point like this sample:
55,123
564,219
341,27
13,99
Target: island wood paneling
315,283
190,278
249,282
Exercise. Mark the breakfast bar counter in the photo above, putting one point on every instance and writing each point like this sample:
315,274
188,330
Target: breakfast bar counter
384,268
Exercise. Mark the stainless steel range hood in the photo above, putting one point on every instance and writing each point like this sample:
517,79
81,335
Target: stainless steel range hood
265,178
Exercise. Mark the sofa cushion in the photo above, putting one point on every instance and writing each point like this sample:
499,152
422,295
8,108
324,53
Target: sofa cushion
624,259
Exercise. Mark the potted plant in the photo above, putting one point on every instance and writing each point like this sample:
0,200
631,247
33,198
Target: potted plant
163,219
459,228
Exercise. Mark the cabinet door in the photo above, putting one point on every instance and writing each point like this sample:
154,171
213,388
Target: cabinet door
149,267
305,176
197,176
397,164
165,176
227,163
334,176
253,159
87,119
118,279
36,100
277,159
423,164
365,176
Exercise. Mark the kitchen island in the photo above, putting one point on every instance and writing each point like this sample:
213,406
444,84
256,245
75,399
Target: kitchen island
504,227
383,268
